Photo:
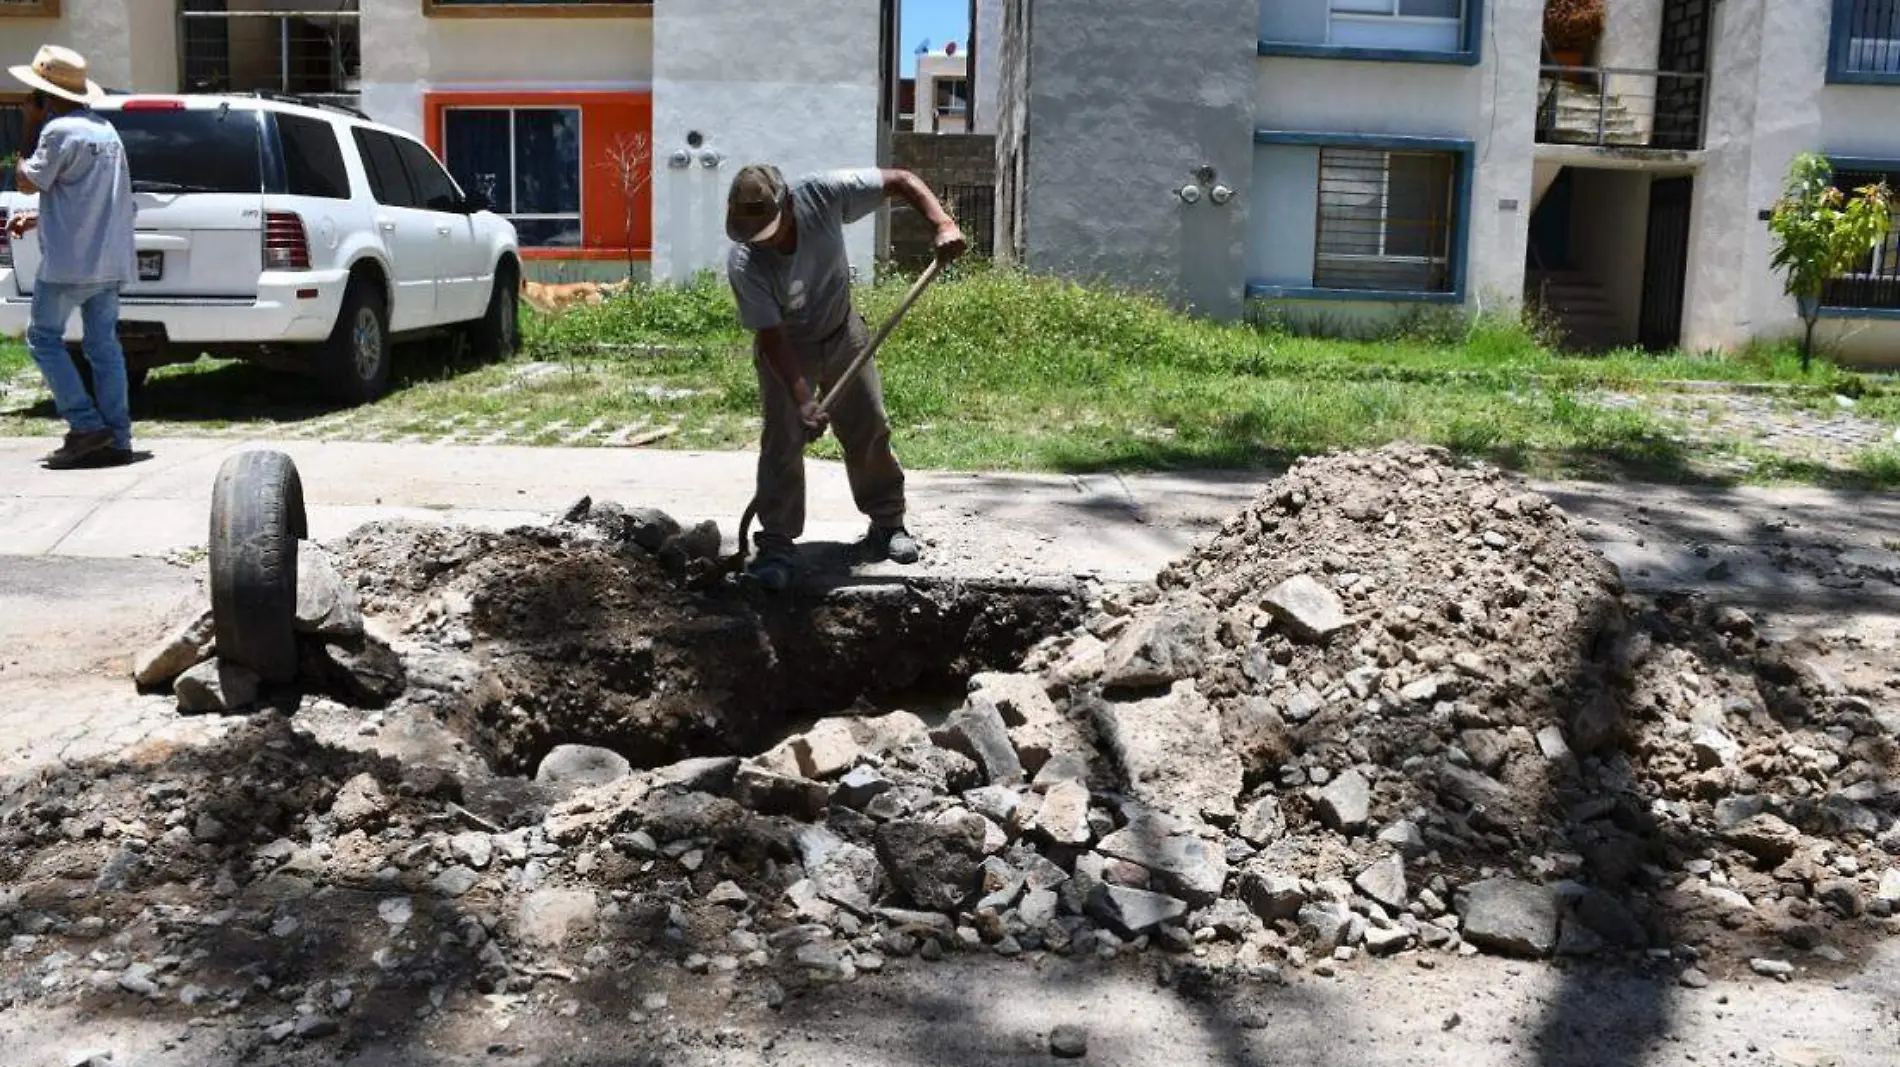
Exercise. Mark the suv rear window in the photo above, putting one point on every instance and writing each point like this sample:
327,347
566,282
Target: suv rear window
313,160
198,151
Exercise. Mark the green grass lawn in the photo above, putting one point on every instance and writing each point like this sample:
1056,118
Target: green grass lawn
996,371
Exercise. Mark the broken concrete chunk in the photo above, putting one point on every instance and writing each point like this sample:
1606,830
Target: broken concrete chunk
1133,912
216,686
326,604
1165,643
1345,804
1384,882
933,865
860,786
360,804
827,750
1273,895
1170,750
706,774
1262,822
362,670
843,873
780,794
548,918
1596,725
1510,917
650,528
1083,662
1309,610
977,730
1063,818
1327,923
1187,866
576,767
998,804
187,645
1767,838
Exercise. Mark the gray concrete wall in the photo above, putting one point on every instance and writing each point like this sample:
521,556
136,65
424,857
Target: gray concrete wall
1127,97
1012,129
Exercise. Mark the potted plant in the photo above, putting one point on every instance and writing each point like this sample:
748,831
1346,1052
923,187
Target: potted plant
1572,29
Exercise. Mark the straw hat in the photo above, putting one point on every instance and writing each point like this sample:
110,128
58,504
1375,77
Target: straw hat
61,72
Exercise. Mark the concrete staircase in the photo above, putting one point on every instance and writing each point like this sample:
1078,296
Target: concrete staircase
1580,306
1578,112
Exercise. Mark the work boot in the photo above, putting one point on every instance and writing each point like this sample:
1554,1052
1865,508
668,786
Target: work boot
78,450
773,568
893,543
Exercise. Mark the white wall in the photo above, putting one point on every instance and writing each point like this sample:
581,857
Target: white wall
128,44
793,83
406,54
1770,102
1632,38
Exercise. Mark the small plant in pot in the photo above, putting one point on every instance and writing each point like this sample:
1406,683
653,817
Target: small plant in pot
1572,29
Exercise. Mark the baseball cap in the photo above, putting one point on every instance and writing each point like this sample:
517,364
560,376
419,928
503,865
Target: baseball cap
754,203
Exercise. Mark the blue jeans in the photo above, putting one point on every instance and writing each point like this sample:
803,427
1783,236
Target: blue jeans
108,407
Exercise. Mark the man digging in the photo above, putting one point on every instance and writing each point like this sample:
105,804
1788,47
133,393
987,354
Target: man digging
793,283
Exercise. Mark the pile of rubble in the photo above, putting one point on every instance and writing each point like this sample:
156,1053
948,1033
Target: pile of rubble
1394,707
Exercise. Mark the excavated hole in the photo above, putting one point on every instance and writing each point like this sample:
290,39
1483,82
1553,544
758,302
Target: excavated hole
737,676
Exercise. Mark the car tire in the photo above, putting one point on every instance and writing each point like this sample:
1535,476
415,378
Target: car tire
495,336
257,518
354,363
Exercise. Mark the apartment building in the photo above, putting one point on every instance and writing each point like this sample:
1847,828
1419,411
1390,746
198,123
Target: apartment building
1350,159
601,127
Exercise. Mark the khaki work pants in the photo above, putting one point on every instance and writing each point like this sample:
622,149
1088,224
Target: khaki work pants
877,480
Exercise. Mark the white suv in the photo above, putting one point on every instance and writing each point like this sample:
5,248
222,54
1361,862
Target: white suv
305,237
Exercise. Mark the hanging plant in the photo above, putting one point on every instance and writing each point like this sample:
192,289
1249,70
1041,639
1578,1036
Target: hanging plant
1572,25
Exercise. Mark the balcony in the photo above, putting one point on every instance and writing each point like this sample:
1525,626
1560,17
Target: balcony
1620,108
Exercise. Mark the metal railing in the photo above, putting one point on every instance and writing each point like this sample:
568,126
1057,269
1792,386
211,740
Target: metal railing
1870,43
313,53
1621,107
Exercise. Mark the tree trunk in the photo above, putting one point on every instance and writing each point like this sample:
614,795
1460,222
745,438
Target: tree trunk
1807,343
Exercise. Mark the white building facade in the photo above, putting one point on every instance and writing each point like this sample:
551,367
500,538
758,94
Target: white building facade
607,129
1435,152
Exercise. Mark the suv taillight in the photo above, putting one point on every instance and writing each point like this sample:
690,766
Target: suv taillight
6,242
286,244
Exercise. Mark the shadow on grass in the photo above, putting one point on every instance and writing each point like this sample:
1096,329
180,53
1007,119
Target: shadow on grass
238,391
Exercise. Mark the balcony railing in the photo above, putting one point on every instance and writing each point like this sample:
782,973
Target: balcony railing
1620,107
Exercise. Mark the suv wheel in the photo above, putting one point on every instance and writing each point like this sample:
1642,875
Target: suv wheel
355,360
497,333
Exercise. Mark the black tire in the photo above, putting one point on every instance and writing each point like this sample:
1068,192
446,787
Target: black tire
354,362
257,518
495,336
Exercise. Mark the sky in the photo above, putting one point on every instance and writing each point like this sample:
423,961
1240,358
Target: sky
937,20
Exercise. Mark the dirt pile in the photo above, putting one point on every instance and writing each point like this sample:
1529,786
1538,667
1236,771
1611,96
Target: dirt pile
1395,706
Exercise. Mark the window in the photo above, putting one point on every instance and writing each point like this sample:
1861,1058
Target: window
1385,221
1414,31
433,187
203,150
388,181
571,168
37,9
313,160
254,45
12,129
1874,283
527,161
1866,44
953,96
537,8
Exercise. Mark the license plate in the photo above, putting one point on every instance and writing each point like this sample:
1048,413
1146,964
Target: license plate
151,266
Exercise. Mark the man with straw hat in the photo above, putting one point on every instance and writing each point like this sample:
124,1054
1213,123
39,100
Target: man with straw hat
74,159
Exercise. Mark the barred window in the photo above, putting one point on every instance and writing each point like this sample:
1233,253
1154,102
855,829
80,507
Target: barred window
1874,283
1870,42
1385,220
307,49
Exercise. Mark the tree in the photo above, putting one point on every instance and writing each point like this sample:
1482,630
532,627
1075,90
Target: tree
1820,234
630,161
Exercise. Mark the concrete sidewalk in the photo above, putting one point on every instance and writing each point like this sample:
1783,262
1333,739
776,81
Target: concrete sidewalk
1777,548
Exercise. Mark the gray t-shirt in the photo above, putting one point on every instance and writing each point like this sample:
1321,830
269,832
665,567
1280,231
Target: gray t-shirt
86,206
809,291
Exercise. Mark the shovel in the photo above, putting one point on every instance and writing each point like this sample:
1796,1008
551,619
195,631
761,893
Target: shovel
735,563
